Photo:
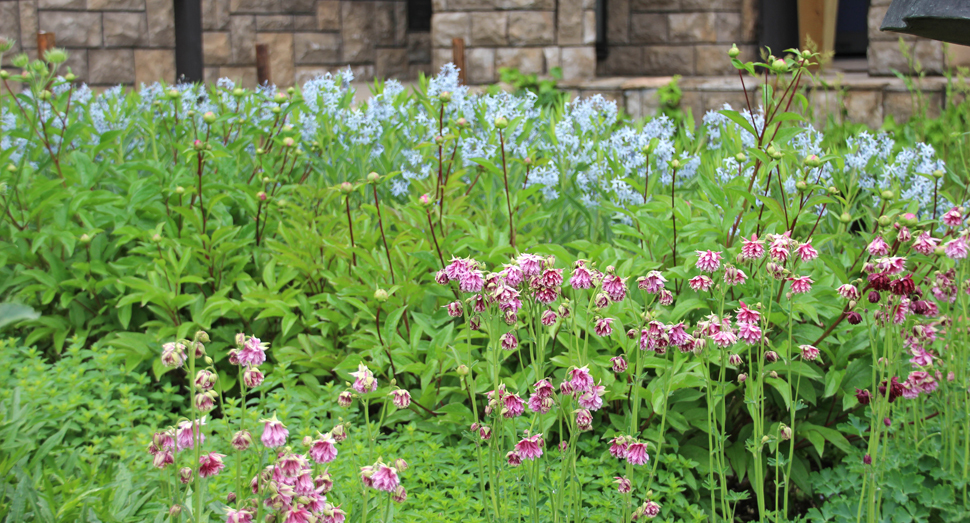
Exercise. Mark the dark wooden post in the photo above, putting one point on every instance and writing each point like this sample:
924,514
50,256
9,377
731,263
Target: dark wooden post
188,40
458,57
45,42
263,72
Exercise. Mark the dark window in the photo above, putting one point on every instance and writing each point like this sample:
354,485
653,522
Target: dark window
419,15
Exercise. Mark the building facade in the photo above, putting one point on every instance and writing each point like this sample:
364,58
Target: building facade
133,41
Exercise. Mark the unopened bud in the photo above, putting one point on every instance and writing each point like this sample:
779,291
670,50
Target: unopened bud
381,295
346,187
501,122
462,370
740,157
209,117
801,185
238,92
280,98
733,52
779,66
938,173
373,177
173,94
832,190
675,163
439,139
462,122
884,221
202,336
84,238
887,195
261,196
175,510
845,217
445,96
288,142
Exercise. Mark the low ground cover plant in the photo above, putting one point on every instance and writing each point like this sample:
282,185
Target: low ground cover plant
598,319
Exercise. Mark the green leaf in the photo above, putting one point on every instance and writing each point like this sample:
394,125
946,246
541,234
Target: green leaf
11,313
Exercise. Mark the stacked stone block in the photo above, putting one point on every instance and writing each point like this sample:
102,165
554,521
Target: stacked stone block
109,42
532,36
686,37
310,37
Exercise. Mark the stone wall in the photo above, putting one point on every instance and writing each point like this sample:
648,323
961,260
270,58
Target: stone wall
310,37
533,36
128,42
109,42
686,37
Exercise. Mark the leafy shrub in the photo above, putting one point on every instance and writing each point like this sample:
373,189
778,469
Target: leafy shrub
156,214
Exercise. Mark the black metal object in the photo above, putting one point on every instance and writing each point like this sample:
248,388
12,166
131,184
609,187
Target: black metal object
419,15
778,25
946,20
188,40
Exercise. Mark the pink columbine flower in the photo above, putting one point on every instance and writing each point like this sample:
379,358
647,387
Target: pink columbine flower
953,217
551,278
204,401
345,399
724,338
210,464
653,282
274,433
665,298
778,250
618,447
253,352
324,449
891,264
604,326
903,235
801,284
735,359
297,513
602,300
385,478
185,437
580,379
543,388
471,281
619,364
401,398
750,333
649,509
364,380
584,420
615,287
734,276
238,516
163,458
252,377
530,448
441,277
925,243
513,406
809,352
509,341
956,249
636,453
513,275
593,399
581,278
747,315
540,404
878,247
701,282
514,458
708,261
531,264
752,249
548,318
623,485
806,252
205,380
454,309
173,355
849,292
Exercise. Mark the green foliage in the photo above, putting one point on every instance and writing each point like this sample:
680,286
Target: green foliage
548,95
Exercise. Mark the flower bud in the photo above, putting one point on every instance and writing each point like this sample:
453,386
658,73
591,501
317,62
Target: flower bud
462,370
801,185
938,174
884,221
675,164
4,75
198,145
261,196
173,94
288,142
832,190
734,52
280,98
185,475
445,96
784,432
175,510
887,195
276,110
20,61
84,239
307,441
209,117
740,157
742,377
462,123
202,336
400,464
439,139
5,45
845,218
501,122
773,374
346,187
779,66
381,295
238,92
771,150
373,177
425,199
812,161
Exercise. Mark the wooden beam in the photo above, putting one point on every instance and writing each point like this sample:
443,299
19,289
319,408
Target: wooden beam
458,57
45,42
263,72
